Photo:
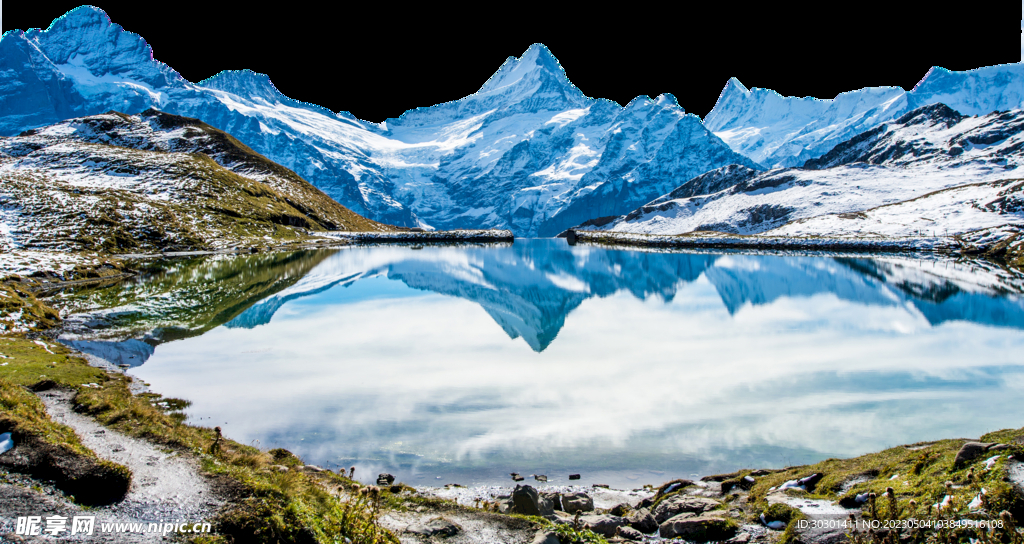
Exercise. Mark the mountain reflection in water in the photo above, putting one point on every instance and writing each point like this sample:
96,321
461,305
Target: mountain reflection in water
636,361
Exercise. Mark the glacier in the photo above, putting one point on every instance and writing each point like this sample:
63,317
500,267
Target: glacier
786,131
528,151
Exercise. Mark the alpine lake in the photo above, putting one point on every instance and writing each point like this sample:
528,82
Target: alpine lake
462,364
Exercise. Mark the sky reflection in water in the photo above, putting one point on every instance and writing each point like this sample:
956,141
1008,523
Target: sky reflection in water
629,367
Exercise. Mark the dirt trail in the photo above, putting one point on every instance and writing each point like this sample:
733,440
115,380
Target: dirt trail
166,486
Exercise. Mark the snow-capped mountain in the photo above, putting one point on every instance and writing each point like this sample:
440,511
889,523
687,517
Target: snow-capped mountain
153,181
528,151
774,130
933,171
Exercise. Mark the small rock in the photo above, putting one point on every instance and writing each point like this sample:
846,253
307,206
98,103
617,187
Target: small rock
628,533
574,476
741,538
602,524
697,528
605,486
385,479
540,477
435,527
577,502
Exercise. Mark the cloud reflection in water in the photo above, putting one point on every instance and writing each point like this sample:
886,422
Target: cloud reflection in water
668,362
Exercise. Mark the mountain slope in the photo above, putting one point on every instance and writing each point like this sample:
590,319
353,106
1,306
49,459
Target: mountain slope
774,130
154,181
528,151
907,167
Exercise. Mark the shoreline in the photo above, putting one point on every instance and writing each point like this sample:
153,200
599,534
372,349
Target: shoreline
1003,245
756,242
48,275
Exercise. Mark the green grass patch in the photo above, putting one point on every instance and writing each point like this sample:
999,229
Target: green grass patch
25,362
567,534
908,482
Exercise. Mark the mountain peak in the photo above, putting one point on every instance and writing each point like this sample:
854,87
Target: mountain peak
972,92
668,100
82,16
86,38
537,69
245,83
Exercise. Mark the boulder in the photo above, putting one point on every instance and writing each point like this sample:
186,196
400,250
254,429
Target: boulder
628,533
602,524
434,527
546,537
702,528
642,520
679,504
528,502
554,497
577,502
385,479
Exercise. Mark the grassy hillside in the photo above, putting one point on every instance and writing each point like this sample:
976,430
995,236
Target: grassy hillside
121,184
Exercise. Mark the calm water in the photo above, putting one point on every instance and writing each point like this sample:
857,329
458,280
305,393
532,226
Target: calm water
447,364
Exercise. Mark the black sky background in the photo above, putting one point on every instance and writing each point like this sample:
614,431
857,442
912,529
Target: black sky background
383,59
